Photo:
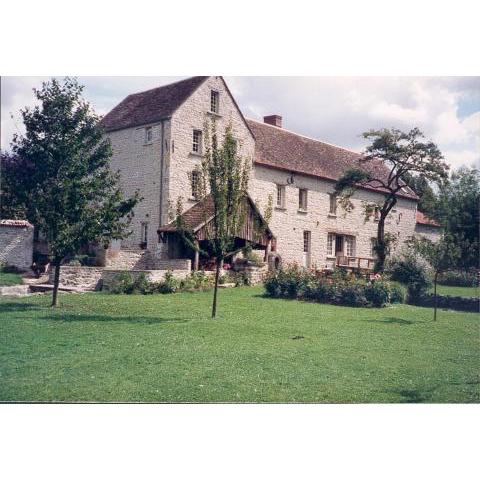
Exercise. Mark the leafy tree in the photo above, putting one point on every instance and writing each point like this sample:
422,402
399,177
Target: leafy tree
427,197
402,153
222,192
442,255
73,196
16,174
458,211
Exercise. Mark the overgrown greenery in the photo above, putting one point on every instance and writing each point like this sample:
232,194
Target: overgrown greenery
9,276
70,193
128,284
408,270
441,255
340,288
402,153
164,348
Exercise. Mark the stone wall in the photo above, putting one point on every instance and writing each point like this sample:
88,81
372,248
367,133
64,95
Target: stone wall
16,243
254,274
143,167
428,231
191,116
288,224
86,278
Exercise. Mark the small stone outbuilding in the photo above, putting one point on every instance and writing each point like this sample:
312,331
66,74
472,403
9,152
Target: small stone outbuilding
16,243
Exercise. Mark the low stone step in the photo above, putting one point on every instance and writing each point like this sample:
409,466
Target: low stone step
15,290
226,285
47,287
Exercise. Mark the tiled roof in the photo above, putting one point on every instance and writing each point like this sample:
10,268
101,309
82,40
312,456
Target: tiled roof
150,106
15,223
194,217
278,148
422,219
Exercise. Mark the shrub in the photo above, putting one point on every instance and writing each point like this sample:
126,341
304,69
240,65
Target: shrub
409,271
398,293
253,258
378,293
354,294
5,268
122,284
459,278
197,281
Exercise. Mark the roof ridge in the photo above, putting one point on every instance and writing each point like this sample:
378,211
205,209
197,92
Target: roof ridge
166,85
281,129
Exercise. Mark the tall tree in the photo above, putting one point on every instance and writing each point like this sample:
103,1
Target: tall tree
442,256
458,211
74,196
401,153
222,192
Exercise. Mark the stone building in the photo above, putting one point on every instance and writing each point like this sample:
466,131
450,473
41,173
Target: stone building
157,138
16,243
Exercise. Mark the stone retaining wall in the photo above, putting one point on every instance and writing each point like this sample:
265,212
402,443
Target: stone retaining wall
86,278
254,274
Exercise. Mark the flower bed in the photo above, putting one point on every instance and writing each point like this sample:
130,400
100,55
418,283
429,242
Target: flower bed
337,289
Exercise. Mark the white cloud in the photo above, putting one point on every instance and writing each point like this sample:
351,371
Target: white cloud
333,109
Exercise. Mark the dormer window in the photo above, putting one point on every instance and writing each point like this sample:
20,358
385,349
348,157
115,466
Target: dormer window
148,135
214,101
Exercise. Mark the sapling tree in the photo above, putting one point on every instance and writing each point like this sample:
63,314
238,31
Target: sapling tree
442,256
391,156
222,192
73,196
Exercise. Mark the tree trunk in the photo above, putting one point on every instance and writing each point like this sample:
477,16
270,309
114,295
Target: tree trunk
215,291
435,297
381,247
56,282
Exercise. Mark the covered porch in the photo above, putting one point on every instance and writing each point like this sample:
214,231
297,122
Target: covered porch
196,223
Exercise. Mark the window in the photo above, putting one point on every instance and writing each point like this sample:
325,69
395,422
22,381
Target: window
302,199
197,141
373,244
144,233
281,196
350,246
196,176
330,244
333,204
214,101
306,241
148,135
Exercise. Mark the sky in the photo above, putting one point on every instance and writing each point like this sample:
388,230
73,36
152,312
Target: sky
332,109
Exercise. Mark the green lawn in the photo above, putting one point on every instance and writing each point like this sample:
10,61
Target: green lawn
457,291
7,279
100,347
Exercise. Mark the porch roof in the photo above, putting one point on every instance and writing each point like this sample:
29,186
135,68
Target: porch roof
197,219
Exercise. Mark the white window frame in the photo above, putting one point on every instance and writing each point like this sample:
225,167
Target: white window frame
302,199
195,179
214,101
197,141
332,208
144,233
330,244
349,241
148,135
306,241
280,199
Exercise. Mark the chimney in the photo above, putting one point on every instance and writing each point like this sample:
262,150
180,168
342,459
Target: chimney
275,120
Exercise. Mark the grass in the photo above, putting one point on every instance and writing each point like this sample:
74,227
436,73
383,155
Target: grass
7,279
457,291
165,348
